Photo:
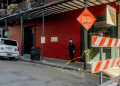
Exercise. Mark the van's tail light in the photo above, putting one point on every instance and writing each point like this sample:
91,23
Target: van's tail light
18,48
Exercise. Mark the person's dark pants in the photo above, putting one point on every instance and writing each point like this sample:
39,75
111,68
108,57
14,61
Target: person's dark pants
72,55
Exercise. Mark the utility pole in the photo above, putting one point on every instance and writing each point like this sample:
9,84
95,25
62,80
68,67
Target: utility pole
22,44
43,35
101,50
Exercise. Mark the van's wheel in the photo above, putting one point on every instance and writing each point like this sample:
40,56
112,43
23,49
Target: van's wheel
12,58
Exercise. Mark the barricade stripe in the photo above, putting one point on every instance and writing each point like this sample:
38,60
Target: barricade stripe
93,66
102,65
109,66
102,42
94,39
118,61
118,44
106,64
110,42
113,62
113,42
106,42
98,66
98,41
116,41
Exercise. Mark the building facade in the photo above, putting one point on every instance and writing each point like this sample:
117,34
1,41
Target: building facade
61,27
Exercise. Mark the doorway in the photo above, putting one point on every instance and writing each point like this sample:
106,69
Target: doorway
29,38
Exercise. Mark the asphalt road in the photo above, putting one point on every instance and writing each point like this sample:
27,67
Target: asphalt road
21,73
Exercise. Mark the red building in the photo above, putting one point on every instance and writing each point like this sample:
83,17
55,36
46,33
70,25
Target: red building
60,24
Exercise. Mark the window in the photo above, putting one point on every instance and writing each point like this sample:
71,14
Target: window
8,42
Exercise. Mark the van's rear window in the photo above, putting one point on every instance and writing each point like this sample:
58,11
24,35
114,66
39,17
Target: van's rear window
9,42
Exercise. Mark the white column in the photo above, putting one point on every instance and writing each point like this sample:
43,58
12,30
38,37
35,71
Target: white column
118,33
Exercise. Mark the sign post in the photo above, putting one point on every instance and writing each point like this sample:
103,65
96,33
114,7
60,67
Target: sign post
86,19
101,50
85,42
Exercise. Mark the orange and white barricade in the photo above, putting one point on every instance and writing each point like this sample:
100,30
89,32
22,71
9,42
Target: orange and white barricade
105,42
102,65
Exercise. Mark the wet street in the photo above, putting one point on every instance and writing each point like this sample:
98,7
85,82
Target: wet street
21,73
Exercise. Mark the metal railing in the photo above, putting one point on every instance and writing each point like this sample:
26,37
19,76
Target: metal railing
112,82
24,6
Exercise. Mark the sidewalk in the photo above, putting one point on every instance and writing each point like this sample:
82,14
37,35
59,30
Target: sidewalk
111,73
59,63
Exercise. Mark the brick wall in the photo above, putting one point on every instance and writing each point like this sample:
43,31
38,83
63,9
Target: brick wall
15,33
64,26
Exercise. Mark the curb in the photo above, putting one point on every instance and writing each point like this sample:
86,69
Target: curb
76,69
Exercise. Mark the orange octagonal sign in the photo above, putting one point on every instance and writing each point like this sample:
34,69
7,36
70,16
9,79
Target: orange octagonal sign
86,19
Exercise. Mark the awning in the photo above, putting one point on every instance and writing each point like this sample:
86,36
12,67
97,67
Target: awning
54,8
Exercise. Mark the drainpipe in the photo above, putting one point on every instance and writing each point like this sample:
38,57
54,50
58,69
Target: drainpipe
6,25
6,28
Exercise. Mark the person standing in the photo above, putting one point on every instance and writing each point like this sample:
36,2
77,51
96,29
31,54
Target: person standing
71,49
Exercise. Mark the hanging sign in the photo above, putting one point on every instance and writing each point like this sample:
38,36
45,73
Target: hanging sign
42,39
86,19
111,15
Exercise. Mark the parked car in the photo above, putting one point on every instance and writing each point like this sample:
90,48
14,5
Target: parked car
9,48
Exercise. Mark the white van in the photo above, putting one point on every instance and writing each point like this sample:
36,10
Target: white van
8,48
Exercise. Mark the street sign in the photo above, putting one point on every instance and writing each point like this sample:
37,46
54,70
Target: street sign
42,39
86,19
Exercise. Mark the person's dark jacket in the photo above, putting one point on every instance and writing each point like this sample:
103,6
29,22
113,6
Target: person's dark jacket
72,46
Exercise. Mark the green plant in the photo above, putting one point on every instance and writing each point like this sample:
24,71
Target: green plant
12,6
29,1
